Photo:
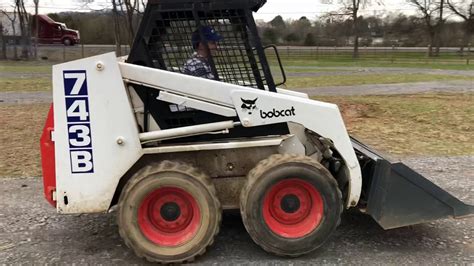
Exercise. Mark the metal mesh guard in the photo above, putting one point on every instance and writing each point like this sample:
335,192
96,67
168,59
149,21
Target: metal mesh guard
234,61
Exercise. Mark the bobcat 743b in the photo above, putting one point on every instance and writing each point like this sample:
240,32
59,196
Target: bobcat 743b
172,151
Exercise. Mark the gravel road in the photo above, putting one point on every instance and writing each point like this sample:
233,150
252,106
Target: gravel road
31,231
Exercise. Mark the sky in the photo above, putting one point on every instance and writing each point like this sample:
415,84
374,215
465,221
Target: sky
289,9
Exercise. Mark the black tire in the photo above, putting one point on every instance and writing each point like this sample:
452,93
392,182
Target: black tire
68,42
277,172
159,177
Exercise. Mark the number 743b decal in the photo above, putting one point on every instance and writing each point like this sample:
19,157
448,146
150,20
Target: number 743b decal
78,121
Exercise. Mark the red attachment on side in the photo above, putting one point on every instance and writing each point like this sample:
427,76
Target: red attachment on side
163,228
48,158
301,220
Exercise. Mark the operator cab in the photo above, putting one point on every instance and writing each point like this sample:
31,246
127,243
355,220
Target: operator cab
165,41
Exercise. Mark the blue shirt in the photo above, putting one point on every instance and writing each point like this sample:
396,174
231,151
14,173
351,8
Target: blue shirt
198,66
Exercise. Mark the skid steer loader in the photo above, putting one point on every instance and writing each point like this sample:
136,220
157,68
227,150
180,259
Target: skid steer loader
173,151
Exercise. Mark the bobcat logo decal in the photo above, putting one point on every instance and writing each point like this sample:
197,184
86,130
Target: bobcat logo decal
249,105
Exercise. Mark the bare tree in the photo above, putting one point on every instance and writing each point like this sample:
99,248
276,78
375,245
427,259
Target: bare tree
130,7
117,37
134,13
351,9
429,10
3,55
128,12
12,16
36,29
24,20
465,10
439,26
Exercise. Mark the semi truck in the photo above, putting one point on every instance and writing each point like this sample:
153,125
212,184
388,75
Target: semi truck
49,31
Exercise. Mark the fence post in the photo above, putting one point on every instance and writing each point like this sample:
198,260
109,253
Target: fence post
82,50
64,53
393,53
468,53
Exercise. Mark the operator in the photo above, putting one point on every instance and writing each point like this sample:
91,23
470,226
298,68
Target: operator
198,65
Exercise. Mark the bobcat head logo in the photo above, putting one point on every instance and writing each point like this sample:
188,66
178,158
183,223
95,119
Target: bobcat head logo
249,105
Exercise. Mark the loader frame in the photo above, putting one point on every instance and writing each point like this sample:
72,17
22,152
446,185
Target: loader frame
130,144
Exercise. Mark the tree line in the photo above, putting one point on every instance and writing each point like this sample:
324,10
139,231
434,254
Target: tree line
437,23
393,30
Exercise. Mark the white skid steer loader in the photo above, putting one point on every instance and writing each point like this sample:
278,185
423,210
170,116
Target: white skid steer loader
173,150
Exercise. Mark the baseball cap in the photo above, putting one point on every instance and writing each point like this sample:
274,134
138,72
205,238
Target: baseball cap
208,33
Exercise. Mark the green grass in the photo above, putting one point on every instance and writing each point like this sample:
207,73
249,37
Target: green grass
17,76
347,80
422,124
297,69
25,84
25,67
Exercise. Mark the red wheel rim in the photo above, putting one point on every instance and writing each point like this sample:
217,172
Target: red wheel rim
169,216
293,208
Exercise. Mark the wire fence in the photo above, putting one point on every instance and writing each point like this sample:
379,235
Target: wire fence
394,55
446,55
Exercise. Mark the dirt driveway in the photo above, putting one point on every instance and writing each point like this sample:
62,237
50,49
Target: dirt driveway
32,232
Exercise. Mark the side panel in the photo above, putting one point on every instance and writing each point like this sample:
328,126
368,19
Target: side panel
48,159
96,137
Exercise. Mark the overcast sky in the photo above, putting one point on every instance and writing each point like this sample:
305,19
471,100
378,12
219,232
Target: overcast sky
287,8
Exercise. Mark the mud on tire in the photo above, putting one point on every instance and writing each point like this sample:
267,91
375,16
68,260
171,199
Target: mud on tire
169,212
290,204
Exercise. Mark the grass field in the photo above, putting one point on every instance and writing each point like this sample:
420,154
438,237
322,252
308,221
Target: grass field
19,136
42,67
421,124
25,76
404,125
25,84
347,80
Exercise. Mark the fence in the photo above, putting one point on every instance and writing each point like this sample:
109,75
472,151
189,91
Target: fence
447,55
61,53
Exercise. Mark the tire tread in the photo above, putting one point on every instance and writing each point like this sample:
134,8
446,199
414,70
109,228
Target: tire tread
165,166
265,165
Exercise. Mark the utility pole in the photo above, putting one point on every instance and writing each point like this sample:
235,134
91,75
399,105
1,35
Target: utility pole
36,28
